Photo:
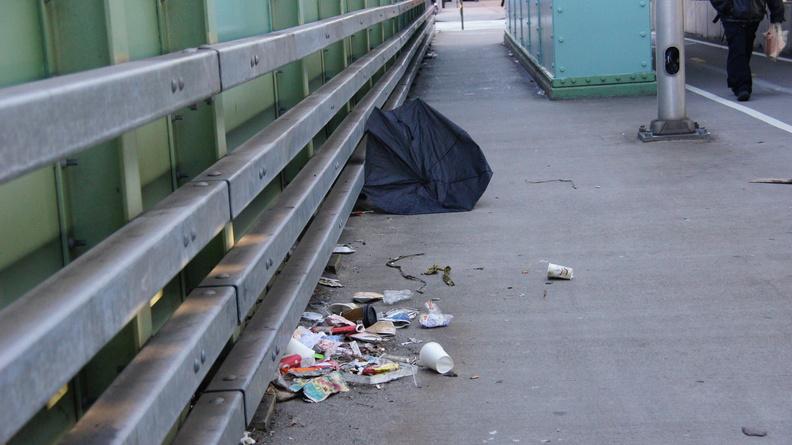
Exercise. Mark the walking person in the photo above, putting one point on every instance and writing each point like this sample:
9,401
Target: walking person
740,20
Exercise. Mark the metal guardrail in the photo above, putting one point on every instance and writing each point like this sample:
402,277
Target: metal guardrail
50,333
81,110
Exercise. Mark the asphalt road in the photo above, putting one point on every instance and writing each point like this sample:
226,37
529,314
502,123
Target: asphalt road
677,325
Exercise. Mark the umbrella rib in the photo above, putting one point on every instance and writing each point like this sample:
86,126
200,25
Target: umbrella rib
458,135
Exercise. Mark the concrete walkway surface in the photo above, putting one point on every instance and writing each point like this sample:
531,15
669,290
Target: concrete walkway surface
677,325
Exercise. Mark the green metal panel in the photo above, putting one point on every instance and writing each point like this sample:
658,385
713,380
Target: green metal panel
21,43
28,256
603,38
142,29
154,160
249,108
78,35
238,19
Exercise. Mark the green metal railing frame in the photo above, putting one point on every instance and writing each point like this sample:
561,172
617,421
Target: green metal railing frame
200,114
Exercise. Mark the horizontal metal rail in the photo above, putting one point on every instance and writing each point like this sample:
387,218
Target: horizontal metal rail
77,111
256,162
158,383
50,333
252,363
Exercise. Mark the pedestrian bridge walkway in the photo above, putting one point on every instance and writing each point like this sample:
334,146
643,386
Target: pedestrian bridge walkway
675,327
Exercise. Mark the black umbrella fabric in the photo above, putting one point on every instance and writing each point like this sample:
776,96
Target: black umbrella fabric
418,161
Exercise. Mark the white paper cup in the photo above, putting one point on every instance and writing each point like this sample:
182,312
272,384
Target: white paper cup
434,356
556,271
306,353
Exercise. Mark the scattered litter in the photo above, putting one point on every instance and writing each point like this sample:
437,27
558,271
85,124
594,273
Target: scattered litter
368,337
474,377
339,308
399,358
434,318
320,388
246,439
312,316
367,297
553,180
375,379
343,249
754,432
446,273
392,263
395,296
364,314
560,272
434,356
430,55
411,341
337,320
330,282
360,213
771,181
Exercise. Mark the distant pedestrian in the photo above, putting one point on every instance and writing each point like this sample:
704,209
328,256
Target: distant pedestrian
740,20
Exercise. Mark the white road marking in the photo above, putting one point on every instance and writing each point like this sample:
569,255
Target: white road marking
749,111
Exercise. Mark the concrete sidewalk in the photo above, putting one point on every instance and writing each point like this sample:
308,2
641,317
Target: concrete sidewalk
677,324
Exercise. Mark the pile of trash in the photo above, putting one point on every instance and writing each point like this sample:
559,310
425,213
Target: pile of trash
346,345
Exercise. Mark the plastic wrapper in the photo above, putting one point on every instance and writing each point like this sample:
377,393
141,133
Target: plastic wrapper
434,318
320,388
395,296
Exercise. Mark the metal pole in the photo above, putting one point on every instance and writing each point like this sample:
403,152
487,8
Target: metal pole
670,55
462,13
672,120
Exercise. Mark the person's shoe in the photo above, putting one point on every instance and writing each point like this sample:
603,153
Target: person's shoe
743,96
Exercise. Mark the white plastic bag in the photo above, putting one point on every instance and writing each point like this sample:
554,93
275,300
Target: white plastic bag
775,41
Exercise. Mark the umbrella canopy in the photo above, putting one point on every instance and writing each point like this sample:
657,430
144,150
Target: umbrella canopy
418,161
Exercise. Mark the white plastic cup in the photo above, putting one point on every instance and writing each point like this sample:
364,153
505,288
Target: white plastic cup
306,353
556,271
434,356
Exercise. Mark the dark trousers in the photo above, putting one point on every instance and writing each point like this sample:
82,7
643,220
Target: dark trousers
740,37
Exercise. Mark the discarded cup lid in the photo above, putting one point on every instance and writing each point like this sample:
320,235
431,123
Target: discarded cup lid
367,297
340,308
312,316
383,328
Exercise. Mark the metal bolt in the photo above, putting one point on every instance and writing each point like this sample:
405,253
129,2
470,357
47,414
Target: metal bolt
174,85
177,117
196,366
223,276
73,242
68,163
203,356
215,173
201,184
193,235
229,378
262,172
217,401
208,292
186,240
256,59
181,83
274,356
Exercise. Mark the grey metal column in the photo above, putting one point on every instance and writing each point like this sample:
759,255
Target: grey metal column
672,121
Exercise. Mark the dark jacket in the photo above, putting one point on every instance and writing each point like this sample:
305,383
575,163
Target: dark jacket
749,10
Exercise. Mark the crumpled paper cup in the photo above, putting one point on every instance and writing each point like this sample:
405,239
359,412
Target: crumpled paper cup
560,272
